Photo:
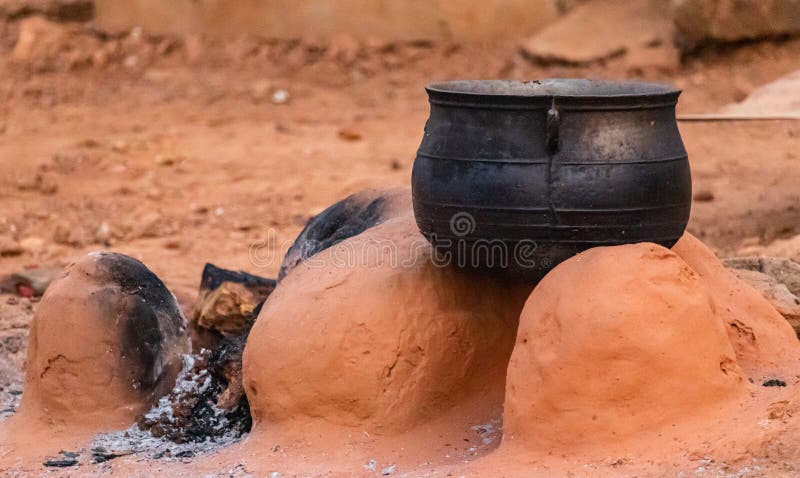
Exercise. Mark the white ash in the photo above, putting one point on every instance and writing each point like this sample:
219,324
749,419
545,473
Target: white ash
488,431
140,441
190,412
10,396
191,382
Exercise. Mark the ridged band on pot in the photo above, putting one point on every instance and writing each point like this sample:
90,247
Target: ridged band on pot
557,166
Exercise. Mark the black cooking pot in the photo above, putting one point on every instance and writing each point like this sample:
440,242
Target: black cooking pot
518,176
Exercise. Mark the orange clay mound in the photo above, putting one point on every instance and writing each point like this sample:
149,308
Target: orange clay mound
357,336
765,343
613,342
106,341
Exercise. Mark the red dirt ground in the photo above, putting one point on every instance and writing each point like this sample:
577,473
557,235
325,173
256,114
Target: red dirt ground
182,157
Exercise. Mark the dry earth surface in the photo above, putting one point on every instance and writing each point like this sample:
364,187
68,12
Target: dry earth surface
183,151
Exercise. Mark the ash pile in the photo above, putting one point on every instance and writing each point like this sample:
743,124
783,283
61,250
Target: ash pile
208,400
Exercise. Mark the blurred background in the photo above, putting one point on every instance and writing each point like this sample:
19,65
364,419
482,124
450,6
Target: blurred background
183,131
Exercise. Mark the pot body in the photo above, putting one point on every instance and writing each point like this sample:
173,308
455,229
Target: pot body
517,177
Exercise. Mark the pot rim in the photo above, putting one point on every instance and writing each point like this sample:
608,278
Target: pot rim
553,87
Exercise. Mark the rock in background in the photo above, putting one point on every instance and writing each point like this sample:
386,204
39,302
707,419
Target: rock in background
775,278
641,31
780,97
702,21
653,33
58,10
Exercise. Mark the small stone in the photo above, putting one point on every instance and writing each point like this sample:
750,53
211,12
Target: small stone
774,382
280,97
45,183
704,195
89,143
61,462
32,244
38,38
120,146
169,159
103,233
349,134
173,244
389,470
166,46
10,248
198,208
101,454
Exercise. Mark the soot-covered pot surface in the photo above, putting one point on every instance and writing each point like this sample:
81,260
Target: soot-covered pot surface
519,176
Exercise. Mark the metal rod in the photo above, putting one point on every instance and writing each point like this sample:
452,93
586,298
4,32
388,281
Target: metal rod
710,117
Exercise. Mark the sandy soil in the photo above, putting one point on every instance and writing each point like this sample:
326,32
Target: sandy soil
184,156
181,164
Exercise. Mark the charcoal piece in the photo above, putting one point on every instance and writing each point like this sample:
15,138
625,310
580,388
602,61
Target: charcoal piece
207,401
227,302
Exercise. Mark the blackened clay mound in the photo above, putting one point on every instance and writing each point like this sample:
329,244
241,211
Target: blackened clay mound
347,218
371,333
106,341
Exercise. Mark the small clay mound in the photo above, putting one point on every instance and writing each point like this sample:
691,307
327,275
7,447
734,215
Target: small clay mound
105,343
347,218
765,343
613,342
371,333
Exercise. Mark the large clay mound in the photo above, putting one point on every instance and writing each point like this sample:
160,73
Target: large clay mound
613,342
106,341
370,333
766,345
